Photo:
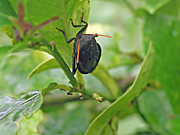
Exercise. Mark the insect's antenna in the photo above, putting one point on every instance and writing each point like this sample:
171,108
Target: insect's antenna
99,35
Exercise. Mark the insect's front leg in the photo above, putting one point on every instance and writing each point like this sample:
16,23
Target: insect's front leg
67,41
84,26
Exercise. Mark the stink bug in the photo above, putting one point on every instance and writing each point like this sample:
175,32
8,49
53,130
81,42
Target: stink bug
87,51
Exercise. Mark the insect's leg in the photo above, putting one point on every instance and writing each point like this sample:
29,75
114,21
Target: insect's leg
74,64
76,25
81,21
68,41
84,26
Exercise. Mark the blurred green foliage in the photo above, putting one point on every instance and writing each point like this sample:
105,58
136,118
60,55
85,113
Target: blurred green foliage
148,104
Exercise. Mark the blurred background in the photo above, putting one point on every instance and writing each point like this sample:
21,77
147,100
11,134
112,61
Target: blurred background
121,56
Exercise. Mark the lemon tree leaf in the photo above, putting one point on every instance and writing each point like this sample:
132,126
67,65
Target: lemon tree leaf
140,82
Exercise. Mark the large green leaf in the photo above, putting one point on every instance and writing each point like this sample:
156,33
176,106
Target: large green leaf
164,33
29,126
38,12
173,125
12,110
156,109
140,82
107,81
13,75
6,11
71,120
170,9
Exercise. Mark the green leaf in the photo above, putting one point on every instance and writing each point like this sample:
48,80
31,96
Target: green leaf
100,73
111,127
13,75
12,110
150,5
54,85
6,11
170,9
4,50
140,82
73,120
29,126
132,124
156,108
173,124
167,48
11,49
10,128
153,5
48,64
38,12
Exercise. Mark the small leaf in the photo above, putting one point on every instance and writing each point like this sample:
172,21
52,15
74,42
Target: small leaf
11,49
54,85
140,82
48,64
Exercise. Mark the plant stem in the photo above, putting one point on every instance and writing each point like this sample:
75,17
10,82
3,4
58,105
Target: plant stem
67,72
62,63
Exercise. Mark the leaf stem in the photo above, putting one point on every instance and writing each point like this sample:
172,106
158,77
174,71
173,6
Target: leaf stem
62,63
54,85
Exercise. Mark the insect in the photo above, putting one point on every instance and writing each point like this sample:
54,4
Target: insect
87,51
